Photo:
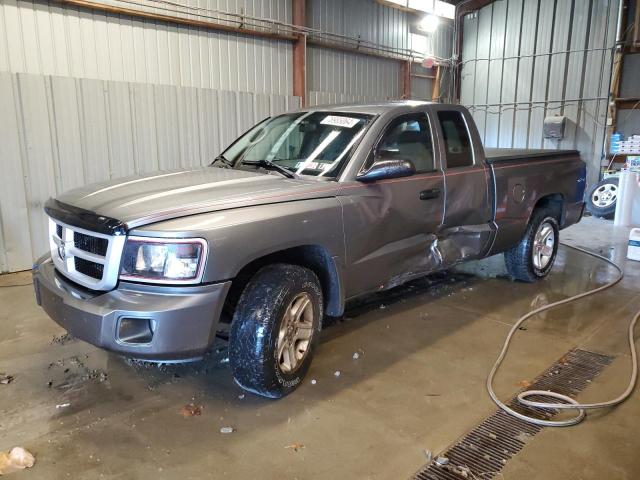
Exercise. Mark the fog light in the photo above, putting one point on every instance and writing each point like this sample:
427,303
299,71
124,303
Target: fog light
135,330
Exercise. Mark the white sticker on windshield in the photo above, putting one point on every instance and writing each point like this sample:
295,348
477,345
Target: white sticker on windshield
336,121
318,166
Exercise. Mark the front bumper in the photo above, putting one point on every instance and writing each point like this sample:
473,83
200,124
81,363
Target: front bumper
183,320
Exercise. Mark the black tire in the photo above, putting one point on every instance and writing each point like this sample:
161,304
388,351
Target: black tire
256,324
520,259
607,208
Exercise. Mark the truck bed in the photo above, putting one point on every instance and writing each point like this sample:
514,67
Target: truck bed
495,155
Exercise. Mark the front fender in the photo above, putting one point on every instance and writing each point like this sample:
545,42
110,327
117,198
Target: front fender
236,237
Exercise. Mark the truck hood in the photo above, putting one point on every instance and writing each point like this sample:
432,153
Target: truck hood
141,200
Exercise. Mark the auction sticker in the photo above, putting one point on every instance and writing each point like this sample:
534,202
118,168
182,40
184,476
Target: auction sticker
336,121
318,166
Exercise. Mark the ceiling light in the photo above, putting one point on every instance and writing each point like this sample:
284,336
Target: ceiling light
429,23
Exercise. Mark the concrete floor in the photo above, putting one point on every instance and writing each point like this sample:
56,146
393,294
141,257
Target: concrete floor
418,384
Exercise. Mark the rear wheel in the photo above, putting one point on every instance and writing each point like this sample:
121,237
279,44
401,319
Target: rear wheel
602,198
276,326
535,255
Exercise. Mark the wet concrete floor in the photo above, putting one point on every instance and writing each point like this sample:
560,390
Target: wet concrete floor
417,384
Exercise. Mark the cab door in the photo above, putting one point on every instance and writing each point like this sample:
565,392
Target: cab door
391,225
468,227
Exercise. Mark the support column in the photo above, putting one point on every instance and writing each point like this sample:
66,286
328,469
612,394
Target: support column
405,79
435,88
300,52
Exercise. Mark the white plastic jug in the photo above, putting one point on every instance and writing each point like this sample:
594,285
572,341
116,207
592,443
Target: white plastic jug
628,202
633,251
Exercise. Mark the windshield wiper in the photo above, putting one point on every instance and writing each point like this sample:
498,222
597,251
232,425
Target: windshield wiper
222,159
269,165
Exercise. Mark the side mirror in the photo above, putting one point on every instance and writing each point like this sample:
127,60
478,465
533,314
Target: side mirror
385,169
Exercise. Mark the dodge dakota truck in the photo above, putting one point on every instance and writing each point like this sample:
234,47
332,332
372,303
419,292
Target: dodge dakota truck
303,213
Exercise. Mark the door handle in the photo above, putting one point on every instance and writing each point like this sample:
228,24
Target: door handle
430,194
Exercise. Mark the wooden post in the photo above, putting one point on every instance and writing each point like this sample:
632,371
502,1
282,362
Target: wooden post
435,86
299,53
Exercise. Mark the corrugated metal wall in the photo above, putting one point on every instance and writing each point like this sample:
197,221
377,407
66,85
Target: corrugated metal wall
60,132
421,88
527,59
49,39
352,75
361,18
335,76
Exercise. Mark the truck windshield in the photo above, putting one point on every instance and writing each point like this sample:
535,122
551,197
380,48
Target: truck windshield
307,143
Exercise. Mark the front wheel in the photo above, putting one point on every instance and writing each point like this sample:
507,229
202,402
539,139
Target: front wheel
276,326
535,255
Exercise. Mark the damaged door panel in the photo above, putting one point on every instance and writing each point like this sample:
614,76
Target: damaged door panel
390,224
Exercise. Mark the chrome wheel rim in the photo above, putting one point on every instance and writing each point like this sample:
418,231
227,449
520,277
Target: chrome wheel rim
605,195
296,330
543,244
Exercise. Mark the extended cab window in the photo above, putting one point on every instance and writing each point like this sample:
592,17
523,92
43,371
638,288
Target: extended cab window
408,138
459,151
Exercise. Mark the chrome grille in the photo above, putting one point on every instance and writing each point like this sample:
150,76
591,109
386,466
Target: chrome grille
90,244
90,269
90,259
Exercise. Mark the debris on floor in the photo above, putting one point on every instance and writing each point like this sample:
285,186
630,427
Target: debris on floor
337,373
227,430
463,471
63,405
75,372
524,383
313,381
442,461
428,455
356,356
61,339
191,410
295,446
17,459
5,379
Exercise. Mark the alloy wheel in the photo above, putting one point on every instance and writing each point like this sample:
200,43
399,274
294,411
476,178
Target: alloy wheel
295,333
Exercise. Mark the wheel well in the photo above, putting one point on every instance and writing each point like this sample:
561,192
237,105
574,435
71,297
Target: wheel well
313,257
553,203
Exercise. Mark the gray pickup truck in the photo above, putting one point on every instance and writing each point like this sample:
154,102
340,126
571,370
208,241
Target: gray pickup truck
303,213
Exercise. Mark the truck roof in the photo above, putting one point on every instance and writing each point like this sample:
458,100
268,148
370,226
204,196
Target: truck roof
372,108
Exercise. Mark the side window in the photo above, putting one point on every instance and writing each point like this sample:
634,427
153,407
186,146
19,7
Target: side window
409,138
456,139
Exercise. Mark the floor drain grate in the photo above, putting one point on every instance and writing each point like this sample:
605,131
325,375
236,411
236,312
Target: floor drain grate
484,451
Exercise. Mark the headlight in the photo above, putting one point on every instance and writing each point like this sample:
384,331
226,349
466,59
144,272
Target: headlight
163,260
